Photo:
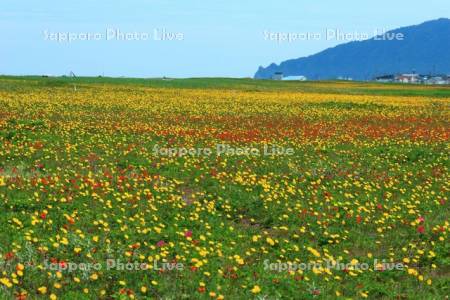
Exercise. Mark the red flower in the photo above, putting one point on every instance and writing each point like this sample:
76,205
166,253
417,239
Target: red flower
358,219
9,256
160,243
43,216
201,289
421,229
188,233
21,296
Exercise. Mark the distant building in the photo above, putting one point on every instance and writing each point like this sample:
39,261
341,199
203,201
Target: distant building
345,78
385,78
408,78
298,78
277,76
415,79
441,79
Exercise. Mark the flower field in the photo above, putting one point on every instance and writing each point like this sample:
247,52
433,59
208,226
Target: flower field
128,191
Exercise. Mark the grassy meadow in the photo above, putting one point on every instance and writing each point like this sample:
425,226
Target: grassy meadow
223,189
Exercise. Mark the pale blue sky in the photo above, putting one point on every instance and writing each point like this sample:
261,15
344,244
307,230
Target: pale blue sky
220,38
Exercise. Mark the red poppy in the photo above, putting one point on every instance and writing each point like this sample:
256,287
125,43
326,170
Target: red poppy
9,256
358,219
421,229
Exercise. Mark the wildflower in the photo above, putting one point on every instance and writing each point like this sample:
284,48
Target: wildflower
256,289
94,276
270,241
6,282
421,229
313,251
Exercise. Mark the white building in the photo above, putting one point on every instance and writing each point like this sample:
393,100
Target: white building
408,78
298,78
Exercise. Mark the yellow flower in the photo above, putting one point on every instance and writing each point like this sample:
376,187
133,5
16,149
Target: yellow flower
270,241
42,290
144,289
314,252
6,282
94,276
256,289
53,297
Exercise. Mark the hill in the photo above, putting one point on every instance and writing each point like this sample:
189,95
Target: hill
424,48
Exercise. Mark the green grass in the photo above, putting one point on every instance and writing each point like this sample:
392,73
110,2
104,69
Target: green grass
242,84
89,155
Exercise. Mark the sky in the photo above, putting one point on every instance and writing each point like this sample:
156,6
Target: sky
190,38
